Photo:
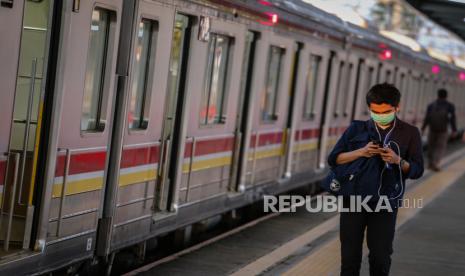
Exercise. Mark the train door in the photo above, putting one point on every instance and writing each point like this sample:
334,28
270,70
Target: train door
367,78
265,157
291,115
387,73
307,107
401,85
423,99
243,113
410,97
141,137
174,106
24,26
338,107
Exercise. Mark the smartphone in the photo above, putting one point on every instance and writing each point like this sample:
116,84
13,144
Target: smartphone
376,142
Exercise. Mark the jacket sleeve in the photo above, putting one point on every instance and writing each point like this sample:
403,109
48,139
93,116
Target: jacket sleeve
426,120
415,156
453,123
341,146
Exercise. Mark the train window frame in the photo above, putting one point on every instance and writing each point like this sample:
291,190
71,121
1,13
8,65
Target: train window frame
272,117
205,101
310,115
348,72
148,74
105,76
337,94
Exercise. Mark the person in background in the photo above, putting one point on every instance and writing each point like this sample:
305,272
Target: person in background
438,115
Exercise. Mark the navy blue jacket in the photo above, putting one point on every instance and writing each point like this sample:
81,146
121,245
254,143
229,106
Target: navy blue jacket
407,136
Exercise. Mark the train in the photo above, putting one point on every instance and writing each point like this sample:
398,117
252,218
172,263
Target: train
124,120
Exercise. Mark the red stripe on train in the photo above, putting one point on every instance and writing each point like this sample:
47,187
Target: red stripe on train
205,147
266,139
140,156
306,134
336,130
81,163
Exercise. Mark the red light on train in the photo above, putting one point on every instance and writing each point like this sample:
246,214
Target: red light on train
435,69
264,3
462,76
274,18
385,54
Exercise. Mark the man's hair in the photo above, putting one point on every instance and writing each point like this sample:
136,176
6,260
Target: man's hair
383,93
442,93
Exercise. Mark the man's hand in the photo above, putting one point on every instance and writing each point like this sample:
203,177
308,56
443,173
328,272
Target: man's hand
370,150
388,155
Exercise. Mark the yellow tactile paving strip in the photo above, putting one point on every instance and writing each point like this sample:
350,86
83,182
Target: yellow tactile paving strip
326,260
283,251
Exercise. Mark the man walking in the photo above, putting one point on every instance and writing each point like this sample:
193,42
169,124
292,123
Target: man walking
438,115
393,148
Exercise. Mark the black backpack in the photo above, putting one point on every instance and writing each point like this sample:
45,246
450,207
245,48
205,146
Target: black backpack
438,117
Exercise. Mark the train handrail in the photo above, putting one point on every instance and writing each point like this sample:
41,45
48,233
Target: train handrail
63,192
27,128
191,161
6,243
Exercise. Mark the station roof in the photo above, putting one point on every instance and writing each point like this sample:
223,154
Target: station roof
450,14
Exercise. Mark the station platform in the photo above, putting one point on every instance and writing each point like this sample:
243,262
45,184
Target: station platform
429,240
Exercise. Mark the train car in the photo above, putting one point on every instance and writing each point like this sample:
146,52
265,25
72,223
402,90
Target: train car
125,120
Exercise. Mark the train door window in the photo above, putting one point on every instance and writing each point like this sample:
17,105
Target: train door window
367,85
275,58
408,88
345,90
140,86
310,87
340,88
219,51
94,93
402,82
388,76
400,86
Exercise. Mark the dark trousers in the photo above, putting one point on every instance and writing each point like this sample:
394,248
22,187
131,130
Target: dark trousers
380,228
437,143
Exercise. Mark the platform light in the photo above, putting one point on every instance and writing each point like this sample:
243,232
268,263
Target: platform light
435,69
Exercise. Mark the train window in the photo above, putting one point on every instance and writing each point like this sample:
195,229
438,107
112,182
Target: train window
275,59
340,88
310,87
140,88
92,106
219,50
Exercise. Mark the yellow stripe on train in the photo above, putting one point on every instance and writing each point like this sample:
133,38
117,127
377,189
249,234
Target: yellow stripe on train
137,177
207,164
93,184
78,186
305,146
